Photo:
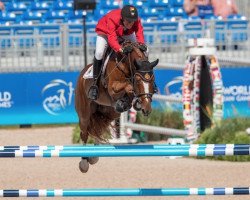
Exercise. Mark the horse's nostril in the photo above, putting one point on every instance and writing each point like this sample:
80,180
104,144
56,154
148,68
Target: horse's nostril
145,112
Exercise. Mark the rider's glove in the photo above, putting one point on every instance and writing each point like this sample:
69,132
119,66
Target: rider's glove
143,47
127,49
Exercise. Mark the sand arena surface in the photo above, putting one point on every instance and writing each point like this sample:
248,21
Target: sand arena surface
130,172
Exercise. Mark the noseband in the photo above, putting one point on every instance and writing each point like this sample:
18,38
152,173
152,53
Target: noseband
147,77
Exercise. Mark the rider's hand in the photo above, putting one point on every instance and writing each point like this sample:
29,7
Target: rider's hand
143,47
127,49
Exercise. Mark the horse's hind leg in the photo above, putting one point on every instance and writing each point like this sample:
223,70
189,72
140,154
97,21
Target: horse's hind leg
93,160
85,161
84,164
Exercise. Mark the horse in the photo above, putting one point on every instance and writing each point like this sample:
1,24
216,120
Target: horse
127,81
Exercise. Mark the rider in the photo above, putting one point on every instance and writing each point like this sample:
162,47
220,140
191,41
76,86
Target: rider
123,23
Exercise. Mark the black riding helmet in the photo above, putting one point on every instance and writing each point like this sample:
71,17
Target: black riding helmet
129,13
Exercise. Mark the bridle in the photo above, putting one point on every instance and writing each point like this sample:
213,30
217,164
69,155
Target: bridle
145,75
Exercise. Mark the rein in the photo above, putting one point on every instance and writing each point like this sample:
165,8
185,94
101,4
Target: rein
131,77
118,66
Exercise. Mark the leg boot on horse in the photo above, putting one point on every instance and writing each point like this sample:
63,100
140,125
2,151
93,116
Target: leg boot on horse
123,104
93,91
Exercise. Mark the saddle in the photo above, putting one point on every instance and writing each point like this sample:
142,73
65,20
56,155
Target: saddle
107,56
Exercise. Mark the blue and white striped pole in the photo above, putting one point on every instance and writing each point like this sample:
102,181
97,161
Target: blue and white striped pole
125,192
129,151
93,147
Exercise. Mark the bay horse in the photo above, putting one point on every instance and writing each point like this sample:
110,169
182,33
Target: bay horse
128,79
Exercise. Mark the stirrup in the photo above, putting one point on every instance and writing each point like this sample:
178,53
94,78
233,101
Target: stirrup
93,92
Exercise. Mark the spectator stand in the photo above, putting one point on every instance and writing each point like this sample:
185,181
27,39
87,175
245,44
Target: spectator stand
237,26
42,7
166,29
17,8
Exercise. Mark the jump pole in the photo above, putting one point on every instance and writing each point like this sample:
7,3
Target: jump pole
125,192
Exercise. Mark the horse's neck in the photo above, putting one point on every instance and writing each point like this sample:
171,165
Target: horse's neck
126,68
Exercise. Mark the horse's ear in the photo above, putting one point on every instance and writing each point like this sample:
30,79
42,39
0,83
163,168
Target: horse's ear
154,63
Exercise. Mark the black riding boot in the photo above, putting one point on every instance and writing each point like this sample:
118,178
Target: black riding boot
93,91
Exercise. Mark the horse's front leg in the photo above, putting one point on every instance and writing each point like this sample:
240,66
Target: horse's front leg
122,93
119,89
129,91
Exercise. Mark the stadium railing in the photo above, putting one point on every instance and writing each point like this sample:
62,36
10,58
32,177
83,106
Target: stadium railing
60,46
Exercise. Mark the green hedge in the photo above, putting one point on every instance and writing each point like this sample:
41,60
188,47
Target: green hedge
169,119
229,131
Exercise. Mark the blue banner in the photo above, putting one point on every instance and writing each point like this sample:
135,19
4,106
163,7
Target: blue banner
37,98
236,92
48,98
236,89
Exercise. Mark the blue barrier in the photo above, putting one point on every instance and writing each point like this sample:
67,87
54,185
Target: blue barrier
129,151
125,192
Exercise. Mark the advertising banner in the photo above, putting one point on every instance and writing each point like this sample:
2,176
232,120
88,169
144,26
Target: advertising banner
37,98
236,90
48,97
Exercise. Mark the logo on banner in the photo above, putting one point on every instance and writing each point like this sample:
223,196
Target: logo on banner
173,89
58,96
5,99
237,93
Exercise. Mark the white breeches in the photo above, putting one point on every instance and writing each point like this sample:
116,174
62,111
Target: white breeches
102,44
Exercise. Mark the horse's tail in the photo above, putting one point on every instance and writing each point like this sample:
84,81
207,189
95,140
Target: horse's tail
99,126
96,118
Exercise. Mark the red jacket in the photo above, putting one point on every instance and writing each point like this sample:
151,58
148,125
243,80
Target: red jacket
111,26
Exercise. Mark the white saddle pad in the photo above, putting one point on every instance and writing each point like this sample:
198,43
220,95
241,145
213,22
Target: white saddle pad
89,73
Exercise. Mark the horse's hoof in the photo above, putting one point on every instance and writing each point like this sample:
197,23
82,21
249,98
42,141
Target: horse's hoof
84,165
93,160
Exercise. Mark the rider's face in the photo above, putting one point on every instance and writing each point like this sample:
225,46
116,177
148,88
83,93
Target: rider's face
127,24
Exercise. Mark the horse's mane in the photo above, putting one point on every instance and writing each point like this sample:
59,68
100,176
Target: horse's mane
134,45
142,60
